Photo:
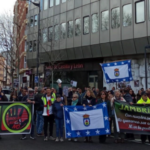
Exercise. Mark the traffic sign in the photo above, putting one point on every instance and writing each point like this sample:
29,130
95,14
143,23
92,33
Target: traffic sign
36,79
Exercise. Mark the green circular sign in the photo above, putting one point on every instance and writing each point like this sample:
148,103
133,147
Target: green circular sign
5,113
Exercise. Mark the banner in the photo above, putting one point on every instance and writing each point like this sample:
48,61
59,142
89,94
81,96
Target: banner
86,121
117,71
132,118
15,118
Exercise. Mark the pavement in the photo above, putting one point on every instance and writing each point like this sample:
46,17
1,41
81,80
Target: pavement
13,142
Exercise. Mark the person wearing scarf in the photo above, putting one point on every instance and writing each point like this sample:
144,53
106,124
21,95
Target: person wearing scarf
75,102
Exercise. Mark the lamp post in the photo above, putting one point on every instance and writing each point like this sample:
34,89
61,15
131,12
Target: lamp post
37,65
145,56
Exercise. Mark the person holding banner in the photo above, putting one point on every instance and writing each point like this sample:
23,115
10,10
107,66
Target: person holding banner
144,100
48,115
103,98
117,96
75,102
59,118
89,100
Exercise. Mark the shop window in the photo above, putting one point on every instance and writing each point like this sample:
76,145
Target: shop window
70,29
77,27
86,25
105,20
115,18
139,12
95,23
127,15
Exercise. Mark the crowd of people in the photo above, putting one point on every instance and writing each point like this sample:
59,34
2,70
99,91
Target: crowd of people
54,100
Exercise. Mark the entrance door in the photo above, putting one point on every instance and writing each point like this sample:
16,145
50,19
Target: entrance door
93,81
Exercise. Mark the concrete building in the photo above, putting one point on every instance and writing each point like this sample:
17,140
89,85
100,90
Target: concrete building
20,22
89,32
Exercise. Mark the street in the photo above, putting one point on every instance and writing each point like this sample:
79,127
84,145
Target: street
13,142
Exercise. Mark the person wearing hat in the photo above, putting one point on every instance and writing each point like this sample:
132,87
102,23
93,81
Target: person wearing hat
144,100
59,119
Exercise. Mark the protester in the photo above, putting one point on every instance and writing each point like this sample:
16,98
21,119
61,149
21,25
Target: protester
144,100
131,92
39,111
104,98
20,92
75,102
13,97
89,100
49,117
117,96
24,98
53,95
138,96
127,96
59,119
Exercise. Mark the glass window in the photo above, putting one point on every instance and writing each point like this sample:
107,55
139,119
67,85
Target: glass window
56,32
51,3
35,20
63,30
70,29
45,4
31,21
44,35
140,12
30,46
41,4
115,18
26,46
57,2
94,23
50,32
63,1
25,62
77,27
127,15
86,25
34,46
105,20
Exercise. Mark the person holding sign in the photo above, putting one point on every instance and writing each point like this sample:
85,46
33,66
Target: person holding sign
144,100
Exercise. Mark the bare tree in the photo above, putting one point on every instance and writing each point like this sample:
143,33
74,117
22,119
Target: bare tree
10,43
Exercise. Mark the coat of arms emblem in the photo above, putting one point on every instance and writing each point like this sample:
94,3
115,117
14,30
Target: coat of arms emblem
116,72
86,120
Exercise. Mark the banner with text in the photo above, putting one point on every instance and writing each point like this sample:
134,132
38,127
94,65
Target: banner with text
15,118
132,118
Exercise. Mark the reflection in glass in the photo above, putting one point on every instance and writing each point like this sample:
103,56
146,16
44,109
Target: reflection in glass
115,18
51,3
105,20
50,33
31,21
45,4
30,46
35,20
127,15
63,1
56,32
77,27
57,2
70,29
63,30
94,23
44,35
86,25
34,46
140,13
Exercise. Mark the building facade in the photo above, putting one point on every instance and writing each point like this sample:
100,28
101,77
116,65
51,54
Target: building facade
20,23
86,33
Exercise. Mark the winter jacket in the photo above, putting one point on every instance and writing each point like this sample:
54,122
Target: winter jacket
23,98
128,98
89,101
3,98
99,101
38,102
58,110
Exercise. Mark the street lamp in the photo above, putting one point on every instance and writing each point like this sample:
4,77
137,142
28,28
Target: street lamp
145,56
38,5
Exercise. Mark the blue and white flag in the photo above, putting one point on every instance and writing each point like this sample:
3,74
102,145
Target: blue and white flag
86,121
117,71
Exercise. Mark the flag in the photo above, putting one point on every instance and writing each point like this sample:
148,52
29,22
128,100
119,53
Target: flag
86,121
117,71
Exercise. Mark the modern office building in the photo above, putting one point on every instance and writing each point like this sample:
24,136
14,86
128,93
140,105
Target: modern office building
89,32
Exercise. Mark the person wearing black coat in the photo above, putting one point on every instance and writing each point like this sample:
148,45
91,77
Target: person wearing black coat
89,100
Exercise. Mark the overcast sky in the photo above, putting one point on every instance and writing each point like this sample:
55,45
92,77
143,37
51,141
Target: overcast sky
7,5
